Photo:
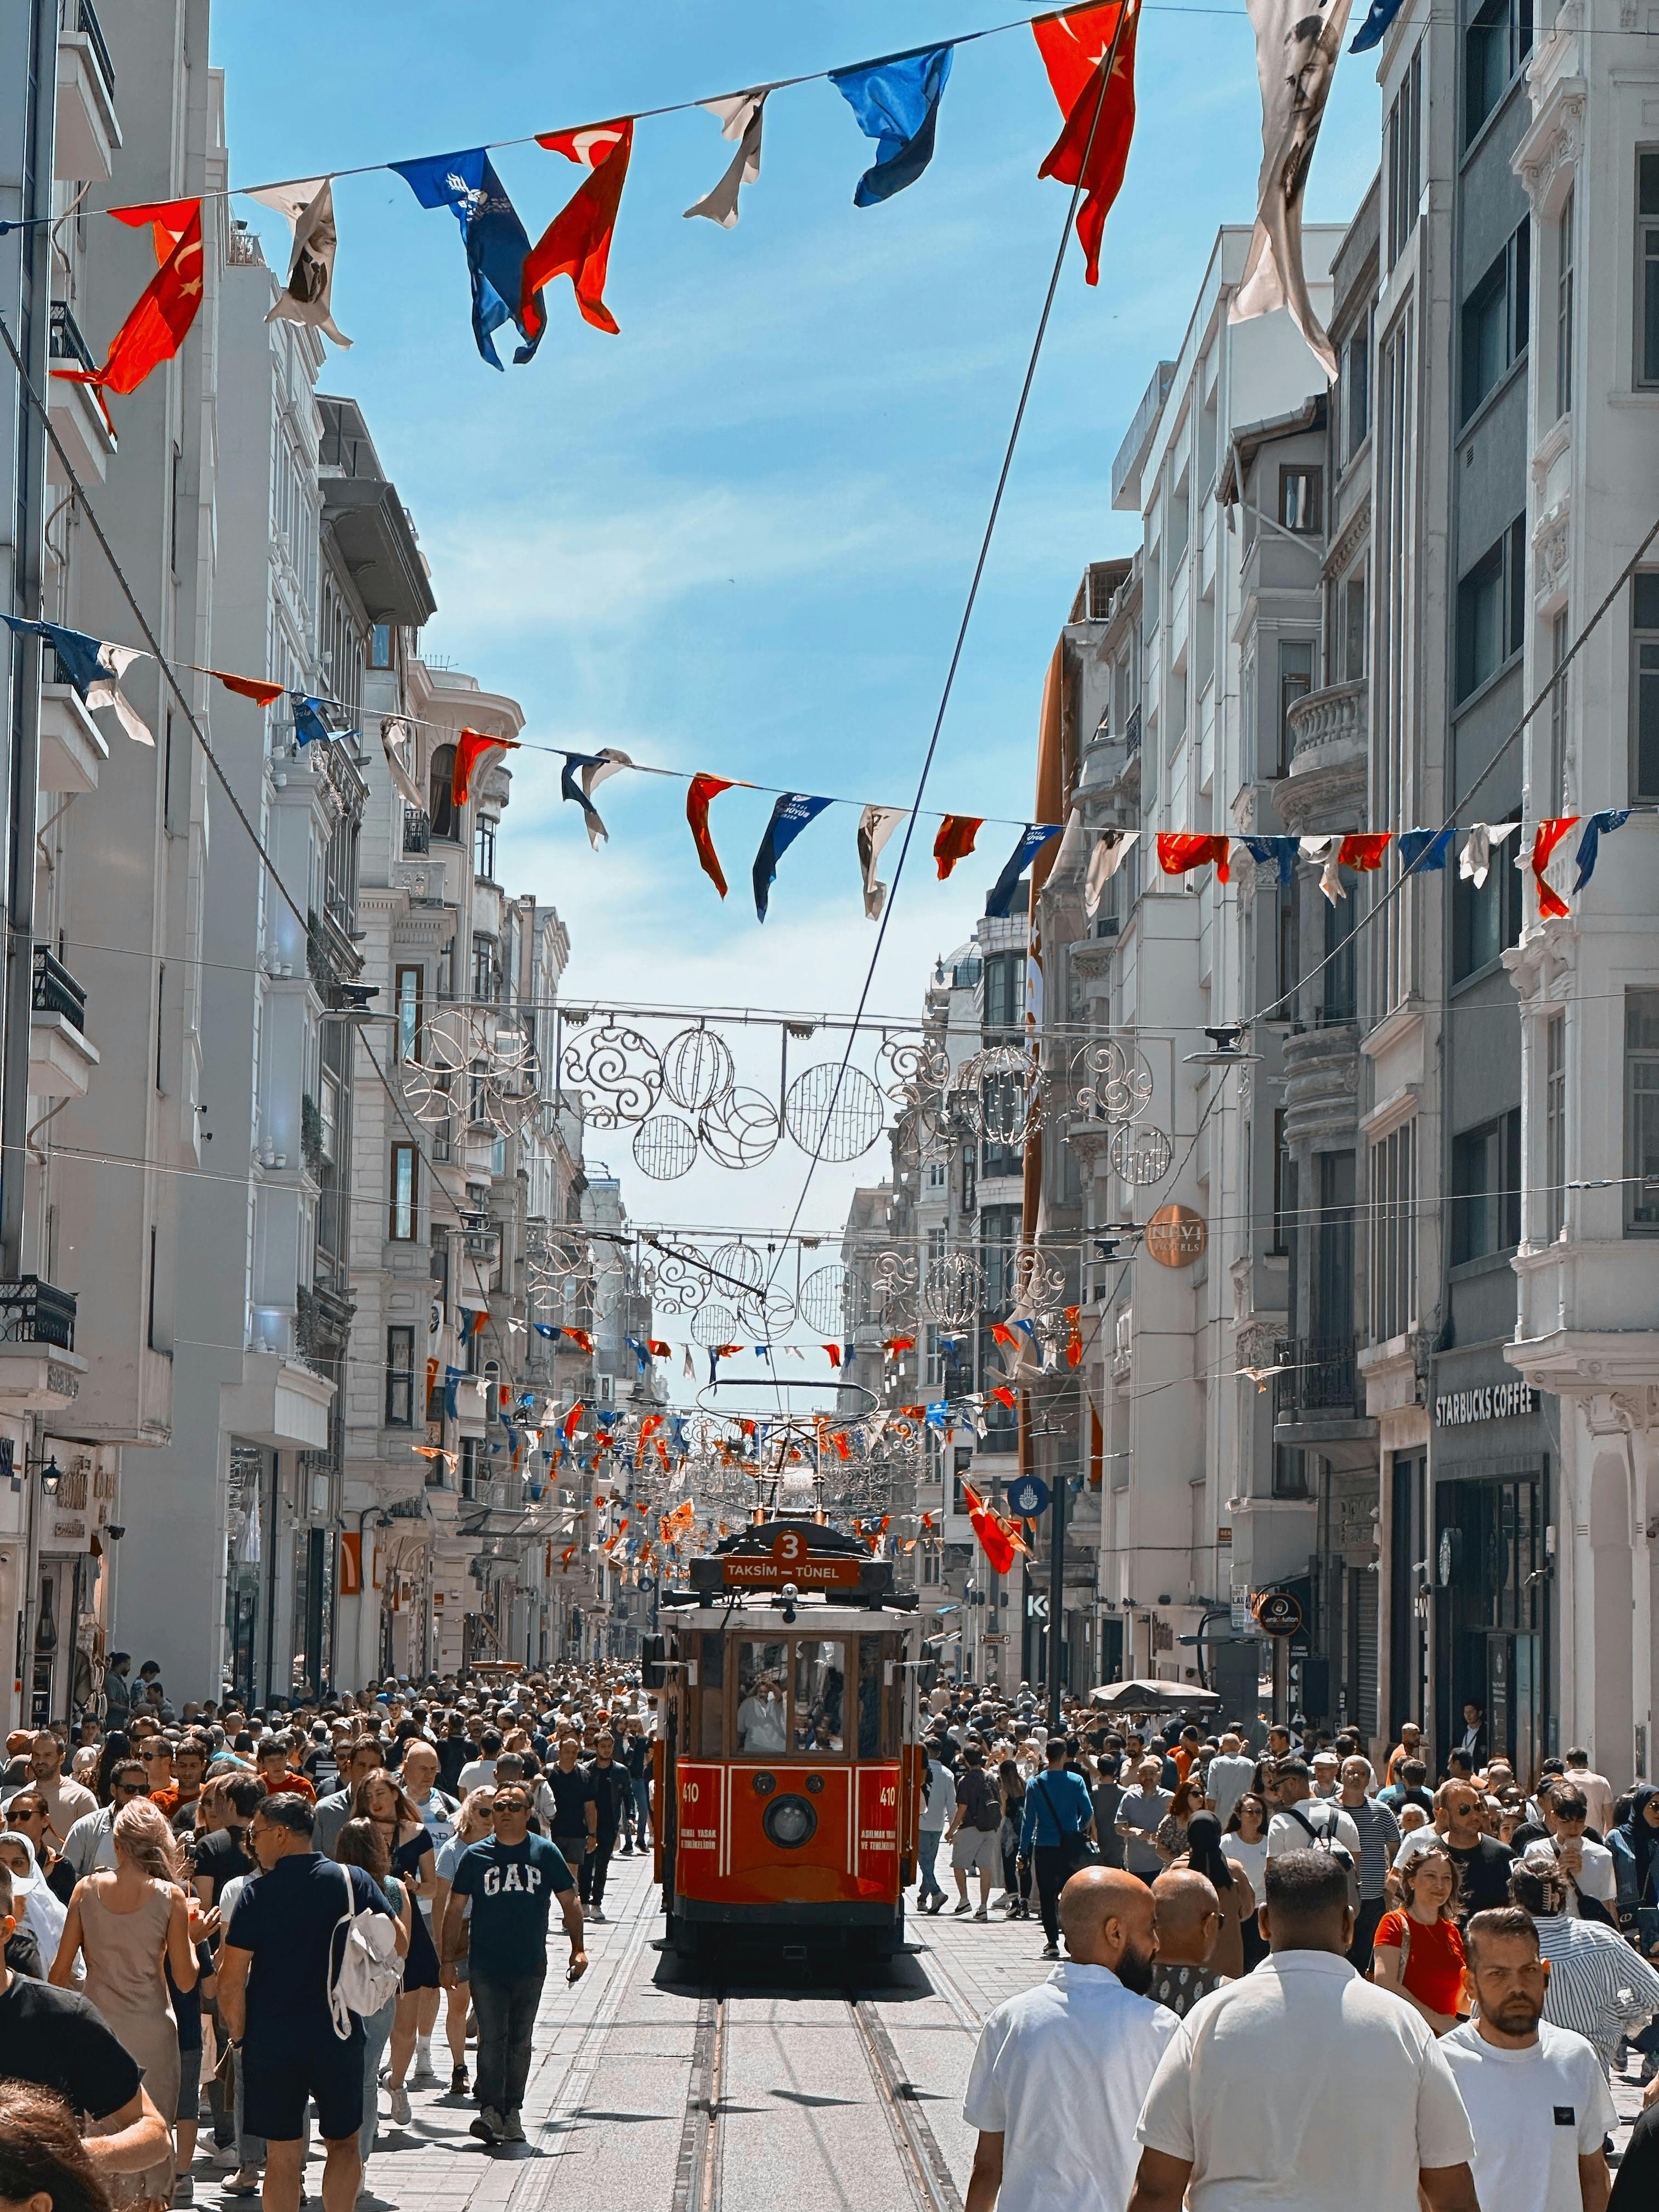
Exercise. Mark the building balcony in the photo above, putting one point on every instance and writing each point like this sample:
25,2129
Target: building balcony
61,1058
417,831
88,434
34,1312
1329,733
72,747
39,1368
1319,1401
1322,1084
87,137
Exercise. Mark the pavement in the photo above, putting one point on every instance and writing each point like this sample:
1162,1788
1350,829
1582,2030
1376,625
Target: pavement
800,2114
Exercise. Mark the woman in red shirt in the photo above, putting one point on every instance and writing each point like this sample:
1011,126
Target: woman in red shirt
1420,1952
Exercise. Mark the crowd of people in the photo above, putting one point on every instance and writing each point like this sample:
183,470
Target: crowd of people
1262,1932
244,1921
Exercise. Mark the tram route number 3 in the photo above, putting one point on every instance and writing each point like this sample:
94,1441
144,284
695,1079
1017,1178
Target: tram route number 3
789,1561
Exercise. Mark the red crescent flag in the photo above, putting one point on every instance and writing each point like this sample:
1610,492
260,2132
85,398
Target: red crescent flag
573,1421
579,1336
702,790
1004,1395
1074,49
156,328
1364,851
1073,1335
1177,852
955,840
833,1350
1547,836
576,244
469,749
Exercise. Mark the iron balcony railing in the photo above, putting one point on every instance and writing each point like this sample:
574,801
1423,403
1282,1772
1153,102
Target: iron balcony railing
57,991
80,15
1321,1376
34,1312
63,339
1132,729
417,830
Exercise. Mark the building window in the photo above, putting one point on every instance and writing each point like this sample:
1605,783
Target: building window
936,1175
1647,267
1495,319
328,1106
1295,677
1355,390
1491,604
1393,1233
1642,1109
1486,1206
1644,675
998,1240
1558,712
440,791
381,639
1003,990
1555,1127
1563,307
410,984
1487,920
1339,1003
1301,499
440,1269
1333,1280
969,1179
1290,1472
405,1193
1287,950
484,969
1353,628
1405,158
1497,40
400,1377
469,1470
484,848
929,1572
1284,1189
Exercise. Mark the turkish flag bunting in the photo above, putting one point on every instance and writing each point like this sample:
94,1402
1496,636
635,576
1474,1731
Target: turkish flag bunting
955,840
703,789
249,687
576,244
1364,851
169,304
1180,851
1078,50
1548,835
470,750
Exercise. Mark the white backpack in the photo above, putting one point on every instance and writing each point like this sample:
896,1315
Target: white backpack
371,1973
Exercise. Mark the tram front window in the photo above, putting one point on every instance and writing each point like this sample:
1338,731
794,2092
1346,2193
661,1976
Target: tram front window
763,1705
820,1691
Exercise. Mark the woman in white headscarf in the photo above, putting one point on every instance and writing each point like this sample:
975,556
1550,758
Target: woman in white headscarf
32,1903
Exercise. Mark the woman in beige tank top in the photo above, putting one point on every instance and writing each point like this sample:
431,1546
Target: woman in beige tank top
123,1924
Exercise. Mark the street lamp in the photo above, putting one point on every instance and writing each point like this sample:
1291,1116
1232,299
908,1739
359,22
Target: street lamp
50,1475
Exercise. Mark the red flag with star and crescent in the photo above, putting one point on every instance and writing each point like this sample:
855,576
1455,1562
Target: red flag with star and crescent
1093,148
576,244
168,305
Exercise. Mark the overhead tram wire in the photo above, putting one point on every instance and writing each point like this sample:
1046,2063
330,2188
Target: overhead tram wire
969,605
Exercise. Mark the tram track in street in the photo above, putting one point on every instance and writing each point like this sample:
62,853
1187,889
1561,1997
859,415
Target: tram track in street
698,2179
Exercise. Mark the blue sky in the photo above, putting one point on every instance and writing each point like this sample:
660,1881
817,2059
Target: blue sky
738,537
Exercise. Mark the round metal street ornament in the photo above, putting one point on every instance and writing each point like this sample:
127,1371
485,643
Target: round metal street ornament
1177,1236
1279,1613
1029,1497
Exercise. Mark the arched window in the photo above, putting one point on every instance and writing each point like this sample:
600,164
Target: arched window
440,800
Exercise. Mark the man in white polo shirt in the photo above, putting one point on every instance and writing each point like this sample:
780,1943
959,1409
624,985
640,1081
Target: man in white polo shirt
1061,2069
1301,2087
1535,2095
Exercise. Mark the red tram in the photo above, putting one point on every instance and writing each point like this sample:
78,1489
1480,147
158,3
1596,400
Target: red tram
789,1772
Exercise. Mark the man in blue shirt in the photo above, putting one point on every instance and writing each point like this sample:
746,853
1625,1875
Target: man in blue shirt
275,1970
512,1881
1059,1816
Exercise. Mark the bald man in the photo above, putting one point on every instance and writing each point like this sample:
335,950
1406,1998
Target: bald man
1189,1920
1061,2070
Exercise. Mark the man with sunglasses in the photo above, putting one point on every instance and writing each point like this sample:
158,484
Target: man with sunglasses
512,1879
90,1847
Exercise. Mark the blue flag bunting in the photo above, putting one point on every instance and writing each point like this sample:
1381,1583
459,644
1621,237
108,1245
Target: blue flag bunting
790,816
79,660
896,103
1426,849
309,726
1374,28
1032,839
1281,852
496,242
1589,845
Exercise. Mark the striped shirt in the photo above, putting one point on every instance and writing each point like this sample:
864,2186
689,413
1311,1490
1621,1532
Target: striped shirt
1599,1986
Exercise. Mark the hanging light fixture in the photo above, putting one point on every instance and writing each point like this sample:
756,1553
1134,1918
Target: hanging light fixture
50,1475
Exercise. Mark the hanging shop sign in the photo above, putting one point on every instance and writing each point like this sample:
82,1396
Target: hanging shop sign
1498,1402
1279,1613
1177,1236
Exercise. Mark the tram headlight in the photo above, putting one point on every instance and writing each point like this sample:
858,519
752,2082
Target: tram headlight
789,1821
765,1784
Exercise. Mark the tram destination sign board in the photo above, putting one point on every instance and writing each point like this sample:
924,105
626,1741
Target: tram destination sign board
789,1561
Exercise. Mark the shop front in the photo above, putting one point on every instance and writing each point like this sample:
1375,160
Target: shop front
1490,1567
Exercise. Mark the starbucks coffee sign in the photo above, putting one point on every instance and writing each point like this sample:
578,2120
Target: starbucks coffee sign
1498,1402
1177,1236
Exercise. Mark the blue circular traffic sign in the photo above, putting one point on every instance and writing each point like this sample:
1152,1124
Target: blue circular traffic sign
1029,1497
